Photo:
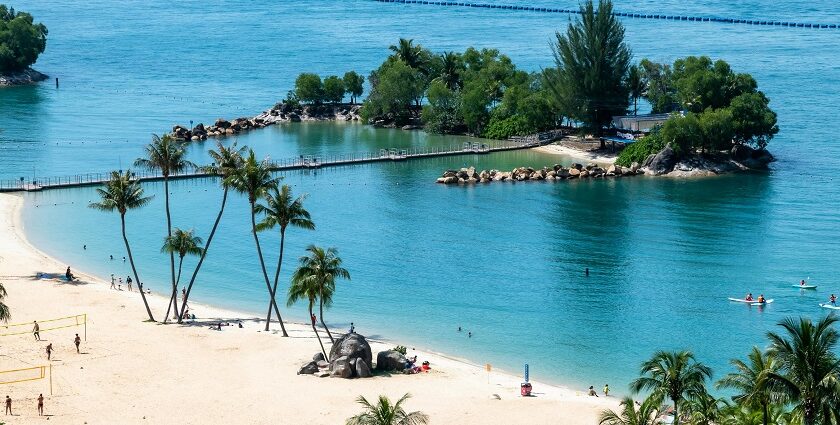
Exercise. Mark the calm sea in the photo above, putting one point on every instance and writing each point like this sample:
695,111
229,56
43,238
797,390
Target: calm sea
504,261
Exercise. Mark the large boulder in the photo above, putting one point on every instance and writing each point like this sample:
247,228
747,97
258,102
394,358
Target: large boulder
741,152
663,162
342,367
759,159
310,368
390,360
345,352
362,369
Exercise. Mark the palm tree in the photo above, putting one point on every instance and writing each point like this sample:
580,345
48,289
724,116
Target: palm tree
676,375
304,288
386,413
226,162
183,243
254,180
637,86
648,413
5,315
320,269
410,53
166,155
751,381
704,409
281,209
451,67
809,375
121,194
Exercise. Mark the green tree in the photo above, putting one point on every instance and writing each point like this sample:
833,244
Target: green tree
716,126
751,381
320,269
308,88
385,412
254,180
442,114
675,375
226,162
333,89
703,410
282,209
683,133
809,368
122,193
702,84
753,122
411,54
183,243
166,154
637,86
5,315
647,413
394,87
592,62
659,88
451,66
306,289
21,40
353,85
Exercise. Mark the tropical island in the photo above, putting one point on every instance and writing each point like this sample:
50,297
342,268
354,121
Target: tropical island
21,42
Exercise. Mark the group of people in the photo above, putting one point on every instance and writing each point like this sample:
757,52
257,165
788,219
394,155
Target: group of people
412,368
116,283
760,299
40,405
36,331
593,393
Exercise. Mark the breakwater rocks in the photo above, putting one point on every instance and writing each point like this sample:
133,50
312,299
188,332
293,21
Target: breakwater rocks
557,172
27,76
281,112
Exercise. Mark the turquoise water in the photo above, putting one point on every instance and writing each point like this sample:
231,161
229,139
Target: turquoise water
504,261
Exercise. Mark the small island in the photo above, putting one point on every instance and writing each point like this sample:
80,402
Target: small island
21,42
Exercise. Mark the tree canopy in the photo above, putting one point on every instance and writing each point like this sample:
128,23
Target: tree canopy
333,89
353,85
309,88
21,39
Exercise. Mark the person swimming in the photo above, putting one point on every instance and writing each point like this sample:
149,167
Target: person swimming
749,297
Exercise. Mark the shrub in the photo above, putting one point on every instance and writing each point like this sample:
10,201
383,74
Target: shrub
516,125
401,349
21,40
640,150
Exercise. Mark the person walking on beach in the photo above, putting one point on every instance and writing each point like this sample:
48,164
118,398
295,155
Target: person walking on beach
49,350
128,282
113,282
606,389
9,405
40,405
314,319
77,341
36,330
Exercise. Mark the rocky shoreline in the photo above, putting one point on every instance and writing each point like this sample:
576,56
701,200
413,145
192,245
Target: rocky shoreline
557,172
20,78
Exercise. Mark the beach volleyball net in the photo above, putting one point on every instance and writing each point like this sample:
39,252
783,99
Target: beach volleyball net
46,325
27,374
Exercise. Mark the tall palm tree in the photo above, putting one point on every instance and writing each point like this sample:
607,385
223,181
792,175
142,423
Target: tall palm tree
637,86
183,243
647,413
282,209
676,375
384,412
704,410
254,180
809,368
122,193
320,269
305,289
226,162
751,382
410,53
451,67
166,154
5,315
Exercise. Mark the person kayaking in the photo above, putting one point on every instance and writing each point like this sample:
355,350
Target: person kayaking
761,299
802,282
833,300
749,297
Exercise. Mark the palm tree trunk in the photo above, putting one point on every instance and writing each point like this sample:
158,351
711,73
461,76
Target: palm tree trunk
321,302
134,269
203,254
314,329
169,233
676,413
174,300
265,273
766,413
277,274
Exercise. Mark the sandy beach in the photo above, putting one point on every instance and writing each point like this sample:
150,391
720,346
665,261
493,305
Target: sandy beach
131,371
576,153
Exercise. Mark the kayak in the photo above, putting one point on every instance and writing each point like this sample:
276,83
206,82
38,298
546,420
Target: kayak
750,302
805,286
833,307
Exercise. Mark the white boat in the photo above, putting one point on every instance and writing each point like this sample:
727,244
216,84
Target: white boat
750,302
805,286
830,306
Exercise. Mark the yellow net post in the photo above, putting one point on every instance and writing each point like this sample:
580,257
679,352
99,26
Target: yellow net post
27,374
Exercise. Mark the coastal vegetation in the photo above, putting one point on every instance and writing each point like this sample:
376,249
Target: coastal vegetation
796,380
317,274
183,243
309,88
386,412
21,40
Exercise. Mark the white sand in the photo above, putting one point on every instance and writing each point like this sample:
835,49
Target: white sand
576,153
136,372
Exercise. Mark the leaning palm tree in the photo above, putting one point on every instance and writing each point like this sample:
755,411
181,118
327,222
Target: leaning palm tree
122,193
675,375
226,162
751,382
5,315
647,413
320,269
166,154
386,413
183,243
809,368
254,180
282,209
305,289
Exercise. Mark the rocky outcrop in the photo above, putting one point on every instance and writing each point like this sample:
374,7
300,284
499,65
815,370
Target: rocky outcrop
390,361
663,162
739,158
19,78
519,174
350,356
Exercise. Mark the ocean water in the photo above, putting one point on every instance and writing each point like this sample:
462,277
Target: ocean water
504,261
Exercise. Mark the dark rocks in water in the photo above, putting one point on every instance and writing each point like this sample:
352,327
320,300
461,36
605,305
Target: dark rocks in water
222,123
346,352
390,361
310,368
663,162
19,78
741,152
293,117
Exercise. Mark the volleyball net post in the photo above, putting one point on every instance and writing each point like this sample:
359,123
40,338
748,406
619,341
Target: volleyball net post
27,374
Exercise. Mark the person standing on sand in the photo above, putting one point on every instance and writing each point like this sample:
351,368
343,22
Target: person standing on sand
314,319
40,405
9,405
606,390
49,350
113,282
36,330
77,341
128,282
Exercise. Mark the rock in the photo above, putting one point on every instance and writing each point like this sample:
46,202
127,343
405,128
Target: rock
412,127
441,180
611,171
574,172
308,369
390,360
450,173
596,171
663,162
577,166
634,167
362,369
318,357
322,364
27,76
759,159
341,368
584,173
450,180
222,123
348,349
741,152
563,173
648,160
591,165
293,117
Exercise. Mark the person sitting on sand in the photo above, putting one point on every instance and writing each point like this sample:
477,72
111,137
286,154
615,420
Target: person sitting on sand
749,297
69,275
592,391
426,367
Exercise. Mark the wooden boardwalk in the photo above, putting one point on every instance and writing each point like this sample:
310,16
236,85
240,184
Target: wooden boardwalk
303,162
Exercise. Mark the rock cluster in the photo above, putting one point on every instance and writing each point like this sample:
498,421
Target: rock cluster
350,357
740,158
220,128
27,76
557,172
